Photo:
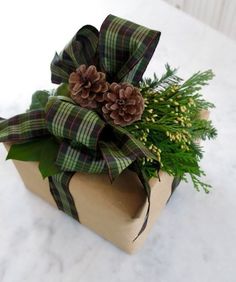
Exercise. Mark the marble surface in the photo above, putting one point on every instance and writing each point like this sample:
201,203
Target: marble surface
194,239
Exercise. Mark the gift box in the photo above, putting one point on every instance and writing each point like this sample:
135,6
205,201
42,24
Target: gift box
114,211
107,147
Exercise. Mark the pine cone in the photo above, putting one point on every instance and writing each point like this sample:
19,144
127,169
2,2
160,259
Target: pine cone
87,86
123,105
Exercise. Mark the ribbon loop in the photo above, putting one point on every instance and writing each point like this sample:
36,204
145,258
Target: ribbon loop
23,127
79,125
80,50
125,49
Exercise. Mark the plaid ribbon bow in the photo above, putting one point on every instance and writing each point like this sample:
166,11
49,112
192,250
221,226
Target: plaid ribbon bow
84,146
122,50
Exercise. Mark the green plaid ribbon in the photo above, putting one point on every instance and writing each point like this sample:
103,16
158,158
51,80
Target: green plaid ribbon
70,158
84,144
23,127
59,188
122,50
83,147
125,49
69,121
80,50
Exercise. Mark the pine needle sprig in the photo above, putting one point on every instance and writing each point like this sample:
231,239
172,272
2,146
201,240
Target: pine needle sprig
155,84
171,124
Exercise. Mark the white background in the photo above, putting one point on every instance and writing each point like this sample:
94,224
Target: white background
194,240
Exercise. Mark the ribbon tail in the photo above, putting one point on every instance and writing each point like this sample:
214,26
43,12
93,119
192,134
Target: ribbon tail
122,151
59,188
174,185
145,182
116,160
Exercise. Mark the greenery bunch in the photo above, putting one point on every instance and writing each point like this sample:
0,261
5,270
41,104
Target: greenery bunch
171,125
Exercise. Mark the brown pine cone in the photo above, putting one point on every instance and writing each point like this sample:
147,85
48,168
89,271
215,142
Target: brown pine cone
87,86
123,104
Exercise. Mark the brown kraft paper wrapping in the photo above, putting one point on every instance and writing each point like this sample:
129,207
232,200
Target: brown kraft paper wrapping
114,211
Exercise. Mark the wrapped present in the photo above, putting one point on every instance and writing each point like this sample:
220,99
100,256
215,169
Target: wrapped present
107,147
114,211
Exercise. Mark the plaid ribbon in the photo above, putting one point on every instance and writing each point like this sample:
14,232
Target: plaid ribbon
59,188
121,49
69,121
83,147
23,127
125,49
80,50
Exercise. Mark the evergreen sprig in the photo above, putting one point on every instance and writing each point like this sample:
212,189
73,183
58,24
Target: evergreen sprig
171,125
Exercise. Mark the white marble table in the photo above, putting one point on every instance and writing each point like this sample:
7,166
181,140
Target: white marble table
194,240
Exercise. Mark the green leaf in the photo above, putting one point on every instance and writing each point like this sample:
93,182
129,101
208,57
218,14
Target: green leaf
48,156
39,99
29,151
42,150
62,90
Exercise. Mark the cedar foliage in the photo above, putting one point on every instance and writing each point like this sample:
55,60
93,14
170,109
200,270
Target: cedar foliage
171,124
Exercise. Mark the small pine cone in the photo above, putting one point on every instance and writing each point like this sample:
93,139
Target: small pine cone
87,86
123,104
